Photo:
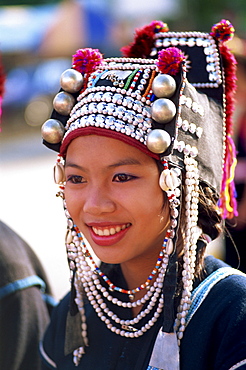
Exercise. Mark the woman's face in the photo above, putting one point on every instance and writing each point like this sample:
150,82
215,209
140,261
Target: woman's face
113,196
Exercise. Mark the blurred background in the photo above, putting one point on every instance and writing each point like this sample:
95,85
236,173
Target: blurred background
37,39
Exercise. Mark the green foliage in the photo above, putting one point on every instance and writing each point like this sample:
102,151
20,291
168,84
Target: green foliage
198,14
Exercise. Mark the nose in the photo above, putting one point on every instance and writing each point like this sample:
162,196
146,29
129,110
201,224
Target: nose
98,201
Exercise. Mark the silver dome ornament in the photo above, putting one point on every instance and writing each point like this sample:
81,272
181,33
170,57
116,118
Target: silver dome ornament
63,103
52,131
158,141
163,110
59,173
71,80
164,86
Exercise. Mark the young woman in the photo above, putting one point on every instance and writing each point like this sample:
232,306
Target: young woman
145,170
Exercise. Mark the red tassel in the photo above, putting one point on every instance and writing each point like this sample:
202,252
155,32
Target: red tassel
2,85
144,40
2,80
227,203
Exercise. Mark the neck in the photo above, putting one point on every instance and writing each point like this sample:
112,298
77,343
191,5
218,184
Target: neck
136,274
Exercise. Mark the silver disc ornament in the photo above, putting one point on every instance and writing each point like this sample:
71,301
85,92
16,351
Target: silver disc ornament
63,103
164,86
71,80
158,141
163,110
52,131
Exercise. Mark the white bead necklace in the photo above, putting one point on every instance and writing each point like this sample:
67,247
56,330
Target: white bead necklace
96,300
91,286
82,263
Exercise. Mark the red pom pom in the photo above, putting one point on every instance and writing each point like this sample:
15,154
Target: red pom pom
144,40
169,60
223,31
2,80
86,60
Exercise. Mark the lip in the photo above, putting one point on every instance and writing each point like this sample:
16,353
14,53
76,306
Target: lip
107,240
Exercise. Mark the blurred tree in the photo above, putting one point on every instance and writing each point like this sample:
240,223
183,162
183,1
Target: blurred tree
27,2
198,14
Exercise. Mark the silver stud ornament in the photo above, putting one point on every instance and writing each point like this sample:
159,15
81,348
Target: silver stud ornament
63,103
164,86
71,80
158,141
163,110
52,131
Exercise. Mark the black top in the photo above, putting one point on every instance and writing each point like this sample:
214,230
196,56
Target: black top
24,303
214,339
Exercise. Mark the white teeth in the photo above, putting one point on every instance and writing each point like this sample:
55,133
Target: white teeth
110,231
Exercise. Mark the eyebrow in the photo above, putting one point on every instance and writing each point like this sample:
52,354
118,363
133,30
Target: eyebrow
73,165
123,162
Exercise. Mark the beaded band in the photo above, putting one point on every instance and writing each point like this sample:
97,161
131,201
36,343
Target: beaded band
191,39
116,112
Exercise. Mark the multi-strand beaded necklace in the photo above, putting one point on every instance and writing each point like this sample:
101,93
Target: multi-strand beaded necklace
88,281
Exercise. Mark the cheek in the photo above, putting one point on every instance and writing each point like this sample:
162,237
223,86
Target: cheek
72,203
162,208
155,206
165,214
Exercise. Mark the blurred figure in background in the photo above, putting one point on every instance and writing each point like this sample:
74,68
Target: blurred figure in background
25,298
25,303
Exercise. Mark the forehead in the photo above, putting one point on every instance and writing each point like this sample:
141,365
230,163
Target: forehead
104,150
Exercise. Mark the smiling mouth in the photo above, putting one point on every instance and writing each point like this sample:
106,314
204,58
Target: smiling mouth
111,230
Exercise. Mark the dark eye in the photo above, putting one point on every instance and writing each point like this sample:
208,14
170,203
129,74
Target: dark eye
75,179
123,177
